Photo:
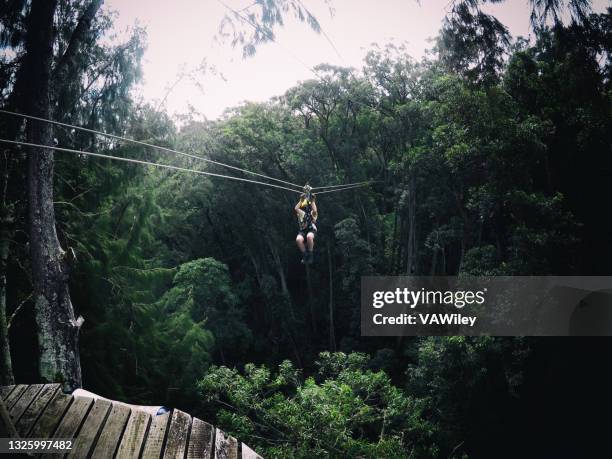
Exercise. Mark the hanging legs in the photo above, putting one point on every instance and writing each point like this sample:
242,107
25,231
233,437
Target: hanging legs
306,247
310,247
299,240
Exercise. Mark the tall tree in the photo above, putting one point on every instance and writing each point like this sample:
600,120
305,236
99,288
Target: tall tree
32,30
58,328
6,220
475,44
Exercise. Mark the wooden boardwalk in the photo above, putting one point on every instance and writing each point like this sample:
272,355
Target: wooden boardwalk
108,429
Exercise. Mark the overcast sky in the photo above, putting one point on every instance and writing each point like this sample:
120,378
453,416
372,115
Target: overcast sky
181,33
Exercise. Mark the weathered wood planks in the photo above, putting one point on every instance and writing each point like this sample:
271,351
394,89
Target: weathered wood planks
24,401
111,432
72,420
104,428
7,428
74,417
51,416
226,447
178,433
12,398
134,435
6,390
201,440
35,409
155,439
83,444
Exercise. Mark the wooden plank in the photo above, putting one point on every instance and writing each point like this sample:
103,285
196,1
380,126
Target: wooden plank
133,437
201,440
6,390
111,432
226,446
155,438
73,418
52,416
83,444
14,396
178,433
24,401
32,412
248,453
7,429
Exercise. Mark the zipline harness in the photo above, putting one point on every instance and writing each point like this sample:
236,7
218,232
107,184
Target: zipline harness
305,213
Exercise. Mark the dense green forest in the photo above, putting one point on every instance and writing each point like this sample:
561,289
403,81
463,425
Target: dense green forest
491,156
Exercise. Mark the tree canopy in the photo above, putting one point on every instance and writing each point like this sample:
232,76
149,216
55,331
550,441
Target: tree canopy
490,157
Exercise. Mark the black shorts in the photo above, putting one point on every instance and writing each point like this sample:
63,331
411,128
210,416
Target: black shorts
304,232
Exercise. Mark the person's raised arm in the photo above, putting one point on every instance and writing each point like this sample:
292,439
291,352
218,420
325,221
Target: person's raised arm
315,212
297,209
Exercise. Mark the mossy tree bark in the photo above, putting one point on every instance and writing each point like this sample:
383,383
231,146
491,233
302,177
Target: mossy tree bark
6,367
58,328
6,233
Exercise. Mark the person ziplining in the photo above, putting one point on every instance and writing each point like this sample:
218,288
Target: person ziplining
307,214
305,210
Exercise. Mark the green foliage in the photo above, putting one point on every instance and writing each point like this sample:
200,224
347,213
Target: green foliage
456,377
346,410
490,159
354,252
255,24
203,296
470,183
474,44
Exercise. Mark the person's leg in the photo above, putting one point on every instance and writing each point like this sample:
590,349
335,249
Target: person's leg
300,243
310,241
310,246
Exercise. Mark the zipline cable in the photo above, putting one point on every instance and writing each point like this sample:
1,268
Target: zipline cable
308,67
139,161
168,166
345,184
341,189
170,150
145,144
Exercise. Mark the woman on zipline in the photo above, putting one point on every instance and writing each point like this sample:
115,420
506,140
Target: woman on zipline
307,214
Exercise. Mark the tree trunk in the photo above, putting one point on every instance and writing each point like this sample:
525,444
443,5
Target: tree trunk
279,267
394,240
67,69
443,261
296,352
6,234
411,249
366,225
6,367
332,335
57,327
434,262
313,320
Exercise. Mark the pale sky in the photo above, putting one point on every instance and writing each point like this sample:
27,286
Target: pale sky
181,34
